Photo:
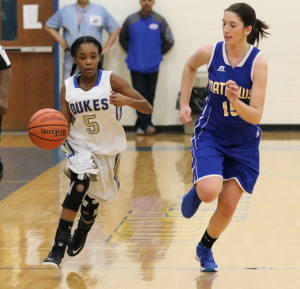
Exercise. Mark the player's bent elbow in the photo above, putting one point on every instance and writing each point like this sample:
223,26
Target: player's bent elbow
145,110
149,109
256,120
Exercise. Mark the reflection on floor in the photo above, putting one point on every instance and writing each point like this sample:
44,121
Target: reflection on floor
141,240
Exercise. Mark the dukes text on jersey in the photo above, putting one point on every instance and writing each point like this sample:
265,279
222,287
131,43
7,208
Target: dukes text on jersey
89,105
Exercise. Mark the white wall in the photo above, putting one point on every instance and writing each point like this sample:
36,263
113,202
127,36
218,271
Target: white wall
196,22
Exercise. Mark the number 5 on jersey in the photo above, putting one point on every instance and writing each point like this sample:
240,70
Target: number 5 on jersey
225,108
93,126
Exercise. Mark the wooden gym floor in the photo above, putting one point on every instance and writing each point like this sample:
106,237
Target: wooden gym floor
141,240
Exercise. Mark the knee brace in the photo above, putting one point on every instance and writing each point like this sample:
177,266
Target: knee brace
78,188
89,209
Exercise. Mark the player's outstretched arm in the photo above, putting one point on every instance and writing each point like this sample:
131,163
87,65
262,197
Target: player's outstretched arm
123,94
64,106
198,59
5,80
251,113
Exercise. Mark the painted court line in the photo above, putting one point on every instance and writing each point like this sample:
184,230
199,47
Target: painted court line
145,268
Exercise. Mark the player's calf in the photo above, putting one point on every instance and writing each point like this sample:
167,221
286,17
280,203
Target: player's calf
89,212
79,186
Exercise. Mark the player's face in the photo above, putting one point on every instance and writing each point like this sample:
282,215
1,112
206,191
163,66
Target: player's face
233,29
147,5
87,59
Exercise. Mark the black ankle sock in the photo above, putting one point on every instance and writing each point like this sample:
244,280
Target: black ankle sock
65,226
207,240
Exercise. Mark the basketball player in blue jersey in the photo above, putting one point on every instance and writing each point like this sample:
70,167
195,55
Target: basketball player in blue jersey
225,156
92,104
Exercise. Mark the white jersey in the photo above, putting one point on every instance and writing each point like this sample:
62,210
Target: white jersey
96,124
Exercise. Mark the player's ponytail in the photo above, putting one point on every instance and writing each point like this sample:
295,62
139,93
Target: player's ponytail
73,69
258,32
76,44
248,16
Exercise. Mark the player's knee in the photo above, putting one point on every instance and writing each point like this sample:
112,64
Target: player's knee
89,209
78,188
207,194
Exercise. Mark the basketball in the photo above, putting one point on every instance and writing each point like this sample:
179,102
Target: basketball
48,129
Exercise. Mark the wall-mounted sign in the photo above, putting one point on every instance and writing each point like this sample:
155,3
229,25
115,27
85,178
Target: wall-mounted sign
30,17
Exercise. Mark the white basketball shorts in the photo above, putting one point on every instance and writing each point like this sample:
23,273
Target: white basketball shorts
103,170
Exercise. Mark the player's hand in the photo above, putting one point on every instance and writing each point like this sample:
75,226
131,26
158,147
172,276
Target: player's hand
3,107
117,99
185,114
232,91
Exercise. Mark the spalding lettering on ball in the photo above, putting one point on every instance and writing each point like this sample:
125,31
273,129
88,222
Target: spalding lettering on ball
48,129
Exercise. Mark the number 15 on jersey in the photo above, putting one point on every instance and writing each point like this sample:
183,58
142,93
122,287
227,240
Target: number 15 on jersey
231,111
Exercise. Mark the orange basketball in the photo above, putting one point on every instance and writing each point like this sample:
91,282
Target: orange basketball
48,129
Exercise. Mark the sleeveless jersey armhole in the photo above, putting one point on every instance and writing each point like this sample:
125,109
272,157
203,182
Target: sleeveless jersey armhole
110,73
118,109
259,53
212,56
69,82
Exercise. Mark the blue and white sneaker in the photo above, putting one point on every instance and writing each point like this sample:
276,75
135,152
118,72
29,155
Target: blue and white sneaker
190,203
205,257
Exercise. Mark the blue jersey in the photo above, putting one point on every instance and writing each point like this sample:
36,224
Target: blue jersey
217,110
224,144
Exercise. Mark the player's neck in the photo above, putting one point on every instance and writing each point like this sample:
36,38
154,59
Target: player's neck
237,51
87,83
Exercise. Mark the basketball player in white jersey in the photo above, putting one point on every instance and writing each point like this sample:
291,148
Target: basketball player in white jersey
92,104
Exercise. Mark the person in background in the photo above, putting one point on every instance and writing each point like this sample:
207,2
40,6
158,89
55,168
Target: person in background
146,37
81,19
5,80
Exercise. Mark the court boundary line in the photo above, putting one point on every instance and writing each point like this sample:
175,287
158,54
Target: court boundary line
149,268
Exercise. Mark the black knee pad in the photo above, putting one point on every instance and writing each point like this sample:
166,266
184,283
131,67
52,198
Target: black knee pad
89,206
74,198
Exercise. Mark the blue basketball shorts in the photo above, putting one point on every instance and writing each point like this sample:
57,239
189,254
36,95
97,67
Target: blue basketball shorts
228,153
